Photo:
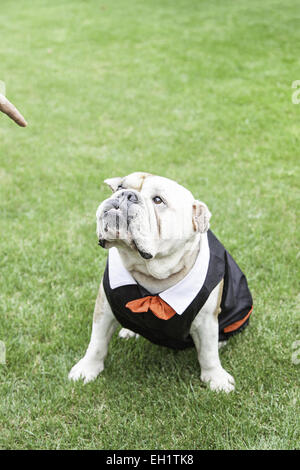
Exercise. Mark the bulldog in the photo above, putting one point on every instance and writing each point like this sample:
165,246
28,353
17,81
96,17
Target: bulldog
167,277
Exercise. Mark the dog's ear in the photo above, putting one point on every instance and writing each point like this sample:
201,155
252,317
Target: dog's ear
114,183
201,216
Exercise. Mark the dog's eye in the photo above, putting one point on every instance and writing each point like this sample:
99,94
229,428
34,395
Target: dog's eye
157,200
119,187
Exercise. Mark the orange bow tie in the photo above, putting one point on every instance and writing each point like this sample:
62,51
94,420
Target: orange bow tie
154,303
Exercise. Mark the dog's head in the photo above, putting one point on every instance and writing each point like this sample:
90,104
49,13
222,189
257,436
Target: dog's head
151,214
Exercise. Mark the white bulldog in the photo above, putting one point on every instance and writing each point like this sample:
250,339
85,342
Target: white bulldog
157,236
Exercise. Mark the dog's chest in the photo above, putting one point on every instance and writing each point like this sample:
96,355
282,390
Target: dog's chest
186,298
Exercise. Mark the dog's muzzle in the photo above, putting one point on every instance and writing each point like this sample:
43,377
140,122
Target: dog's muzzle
117,212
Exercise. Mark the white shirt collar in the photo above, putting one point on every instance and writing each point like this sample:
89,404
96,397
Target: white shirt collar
179,296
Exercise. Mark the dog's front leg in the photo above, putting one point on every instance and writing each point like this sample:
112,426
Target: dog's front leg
205,333
104,325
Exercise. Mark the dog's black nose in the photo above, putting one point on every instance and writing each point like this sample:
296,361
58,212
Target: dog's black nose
130,196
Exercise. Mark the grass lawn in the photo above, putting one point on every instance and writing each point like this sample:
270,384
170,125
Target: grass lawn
195,90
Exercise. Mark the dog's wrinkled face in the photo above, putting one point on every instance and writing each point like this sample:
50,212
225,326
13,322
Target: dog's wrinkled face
151,214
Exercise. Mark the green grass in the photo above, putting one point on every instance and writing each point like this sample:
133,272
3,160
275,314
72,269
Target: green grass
198,91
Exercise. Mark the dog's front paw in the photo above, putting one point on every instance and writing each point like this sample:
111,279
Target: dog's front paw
218,380
125,334
86,369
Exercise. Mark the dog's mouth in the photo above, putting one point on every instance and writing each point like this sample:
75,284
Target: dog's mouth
143,253
116,220
120,225
110,221
102,242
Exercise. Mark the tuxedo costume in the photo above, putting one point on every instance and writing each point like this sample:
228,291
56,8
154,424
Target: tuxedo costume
184,300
